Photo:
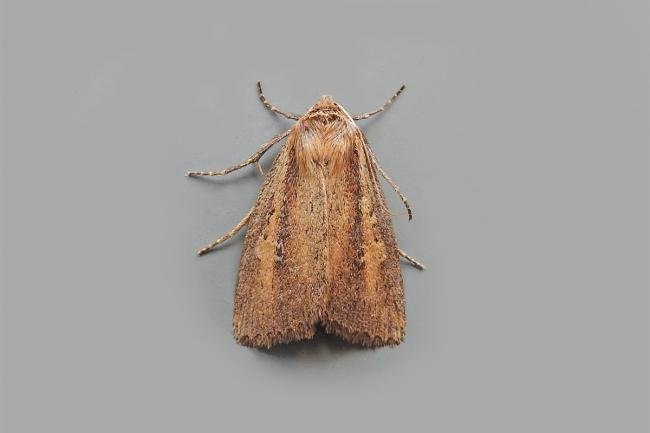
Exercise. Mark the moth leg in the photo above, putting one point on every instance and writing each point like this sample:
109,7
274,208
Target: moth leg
382,108
395,187
227,236
253,158
411,260
272,107
259,167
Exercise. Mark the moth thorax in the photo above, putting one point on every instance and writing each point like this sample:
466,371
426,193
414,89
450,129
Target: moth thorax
324,147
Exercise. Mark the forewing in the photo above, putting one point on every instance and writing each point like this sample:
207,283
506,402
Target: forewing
365,297
279,289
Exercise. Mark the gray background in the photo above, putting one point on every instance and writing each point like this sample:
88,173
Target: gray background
521,142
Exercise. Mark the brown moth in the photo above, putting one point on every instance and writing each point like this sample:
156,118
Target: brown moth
320,250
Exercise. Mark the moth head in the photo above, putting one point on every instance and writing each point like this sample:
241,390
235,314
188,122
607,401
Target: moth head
326,101
326,106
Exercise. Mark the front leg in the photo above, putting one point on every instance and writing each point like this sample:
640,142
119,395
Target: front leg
252,159
411,261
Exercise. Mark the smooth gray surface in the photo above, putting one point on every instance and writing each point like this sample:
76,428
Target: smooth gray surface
521,142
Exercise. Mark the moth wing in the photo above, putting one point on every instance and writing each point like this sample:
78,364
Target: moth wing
281,276
365,298
320,249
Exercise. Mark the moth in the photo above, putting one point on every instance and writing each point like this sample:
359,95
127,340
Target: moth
320,250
